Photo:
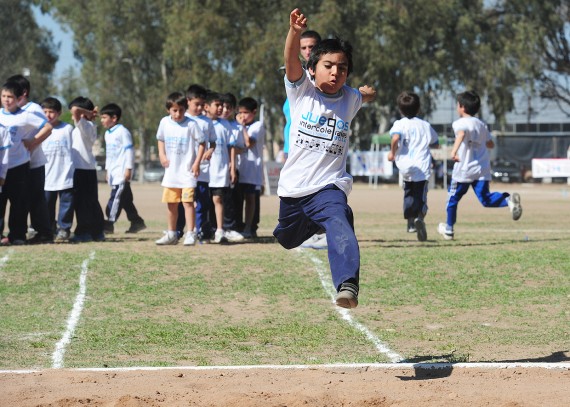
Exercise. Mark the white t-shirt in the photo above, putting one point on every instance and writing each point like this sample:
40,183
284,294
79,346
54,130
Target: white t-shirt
37,157
251,160
220,162
207,127
474,160
120,153
5,144
59,166
84,136
413,157
318,142
180,142
22,125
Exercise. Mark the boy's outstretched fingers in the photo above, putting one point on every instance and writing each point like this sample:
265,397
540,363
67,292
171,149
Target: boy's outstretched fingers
298,19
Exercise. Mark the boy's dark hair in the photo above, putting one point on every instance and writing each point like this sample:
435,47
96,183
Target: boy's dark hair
82,102
409,104
196,92
112,109
51,103
230,99
470,101
13,87
22,81
176,98
212,96
311,34
249,103
330,46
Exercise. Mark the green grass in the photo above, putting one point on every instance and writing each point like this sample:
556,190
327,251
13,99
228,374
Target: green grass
486,296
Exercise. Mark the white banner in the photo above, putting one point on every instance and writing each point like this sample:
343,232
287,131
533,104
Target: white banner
550,167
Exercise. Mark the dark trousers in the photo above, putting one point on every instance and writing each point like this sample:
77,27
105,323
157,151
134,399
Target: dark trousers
39,217
122,198
203,202
415,199
88,212
65,214
301,218
16,190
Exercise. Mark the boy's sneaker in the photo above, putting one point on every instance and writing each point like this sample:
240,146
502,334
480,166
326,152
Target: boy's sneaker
18,242
347,296
317,242
167,239
108,227
233,236
85,238
246,234
62,236
420,229
444,230
190,239
219,236
4,241
99,238
411,226
136,227
40,239
515,206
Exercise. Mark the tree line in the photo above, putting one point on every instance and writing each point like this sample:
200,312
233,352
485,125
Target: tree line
135,52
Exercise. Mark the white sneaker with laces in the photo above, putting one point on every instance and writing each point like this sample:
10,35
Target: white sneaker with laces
317,242
167,239
219,236
233,236
445,231
515,206
190,239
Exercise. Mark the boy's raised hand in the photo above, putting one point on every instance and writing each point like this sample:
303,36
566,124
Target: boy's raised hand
297,20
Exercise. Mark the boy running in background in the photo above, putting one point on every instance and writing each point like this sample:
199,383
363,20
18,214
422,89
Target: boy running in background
59,170
472,166
180,148
313,185
412,138
119,163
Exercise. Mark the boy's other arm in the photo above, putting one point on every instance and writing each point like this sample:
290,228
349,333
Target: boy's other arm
162,154
293,67
368,93
44,133
233,174
208,153
196,165
458,140
393,147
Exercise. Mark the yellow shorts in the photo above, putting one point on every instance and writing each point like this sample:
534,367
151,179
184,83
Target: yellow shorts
176,195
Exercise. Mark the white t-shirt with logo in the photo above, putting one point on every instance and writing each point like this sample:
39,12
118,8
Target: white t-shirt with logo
59,166
37,157
84,136
181,141
22,125
251,160
220,162
318,139
474,160
207,128
120,153
413,157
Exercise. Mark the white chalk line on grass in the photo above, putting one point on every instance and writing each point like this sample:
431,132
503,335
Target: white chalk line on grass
4,259
346,315
73,319
334,366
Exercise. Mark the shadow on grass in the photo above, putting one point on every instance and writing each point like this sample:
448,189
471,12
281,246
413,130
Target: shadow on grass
407,243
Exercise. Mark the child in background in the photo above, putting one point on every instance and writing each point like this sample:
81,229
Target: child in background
251,160
180,147
119,164
59,170
412,138
472,166
313,184
88,213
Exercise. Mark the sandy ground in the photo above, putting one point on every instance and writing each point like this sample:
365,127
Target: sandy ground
376,385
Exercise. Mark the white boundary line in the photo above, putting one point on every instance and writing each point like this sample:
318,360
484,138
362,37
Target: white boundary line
336,366
345,313
73,319
4,259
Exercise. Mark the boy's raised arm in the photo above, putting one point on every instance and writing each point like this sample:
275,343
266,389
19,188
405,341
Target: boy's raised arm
293,67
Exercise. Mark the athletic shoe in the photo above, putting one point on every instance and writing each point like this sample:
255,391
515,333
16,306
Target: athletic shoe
411,226
166,239
421,229
136,227
31,233
99,238
445,231
81,238
108,227
190,239
347,296
247,234
219,236
317,242
4,241
515,206
40,239
233,236
62,236
18,242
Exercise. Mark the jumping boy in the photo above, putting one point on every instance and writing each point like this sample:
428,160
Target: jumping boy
119,163
472,165
412,138
59,170
313,185
180,147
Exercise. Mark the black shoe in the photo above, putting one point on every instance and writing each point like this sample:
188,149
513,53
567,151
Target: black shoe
108,227
136,227
421,229
347,296
40,239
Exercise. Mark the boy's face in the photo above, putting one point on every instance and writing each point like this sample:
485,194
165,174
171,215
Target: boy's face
330,72
177,112
214,109
307,44
196,106
108,121
52,115
9,101
245,116
227,111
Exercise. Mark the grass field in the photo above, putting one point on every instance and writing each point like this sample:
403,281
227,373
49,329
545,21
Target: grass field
499,292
